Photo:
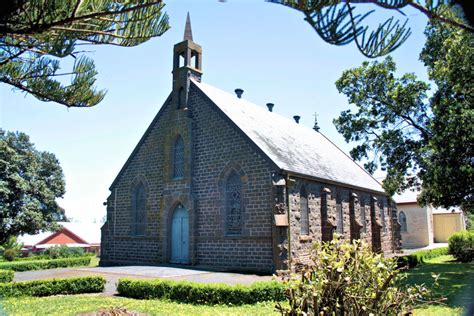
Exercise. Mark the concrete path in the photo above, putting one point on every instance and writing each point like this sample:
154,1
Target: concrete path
112,274
431,246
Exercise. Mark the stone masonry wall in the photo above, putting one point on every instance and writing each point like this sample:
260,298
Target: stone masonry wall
213,149
219,150
323,203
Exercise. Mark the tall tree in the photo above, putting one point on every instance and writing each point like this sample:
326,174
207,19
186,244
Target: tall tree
36,34
30,181
421,141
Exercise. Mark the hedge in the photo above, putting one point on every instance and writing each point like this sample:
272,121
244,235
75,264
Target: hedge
420,256
44,264
199,293
6,276
461,246
79,285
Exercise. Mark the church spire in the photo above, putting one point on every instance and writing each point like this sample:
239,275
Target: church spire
188,33
187,64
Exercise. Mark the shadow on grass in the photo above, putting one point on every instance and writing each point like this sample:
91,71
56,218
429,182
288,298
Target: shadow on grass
456,281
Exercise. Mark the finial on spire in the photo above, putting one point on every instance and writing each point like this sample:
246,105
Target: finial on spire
188,33
316,125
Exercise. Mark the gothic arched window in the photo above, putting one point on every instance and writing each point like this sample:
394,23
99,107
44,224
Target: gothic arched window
139,210
402,218
304,215
178,158
233,201
363,217
382,217
339,219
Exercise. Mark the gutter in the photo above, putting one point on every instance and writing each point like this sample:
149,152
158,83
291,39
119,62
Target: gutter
327,181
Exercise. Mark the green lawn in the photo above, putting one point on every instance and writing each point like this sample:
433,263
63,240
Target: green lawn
456,284
72,305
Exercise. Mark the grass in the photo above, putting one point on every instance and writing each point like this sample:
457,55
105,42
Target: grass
456,284
76,304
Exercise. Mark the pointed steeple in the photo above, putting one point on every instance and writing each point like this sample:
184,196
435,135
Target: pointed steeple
187,64
188,33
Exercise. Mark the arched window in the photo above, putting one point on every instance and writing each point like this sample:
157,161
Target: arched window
339,219
382,217
304,216
139,210
363,215
233,200
178,158
402,218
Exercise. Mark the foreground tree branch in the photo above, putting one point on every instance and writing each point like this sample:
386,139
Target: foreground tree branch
32,33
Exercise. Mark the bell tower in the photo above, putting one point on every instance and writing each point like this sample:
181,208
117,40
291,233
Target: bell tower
187,63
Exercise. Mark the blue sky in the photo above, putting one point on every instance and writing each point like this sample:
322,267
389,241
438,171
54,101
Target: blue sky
266,49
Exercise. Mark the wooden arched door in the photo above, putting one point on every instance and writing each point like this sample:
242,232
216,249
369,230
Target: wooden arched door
180,235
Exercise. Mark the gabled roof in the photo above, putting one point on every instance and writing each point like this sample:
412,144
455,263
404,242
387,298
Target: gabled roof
292,147
85,232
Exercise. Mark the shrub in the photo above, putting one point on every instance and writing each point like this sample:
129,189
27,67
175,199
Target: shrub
198,293
88,284
421,256
62,251
461,246
348,279
28,265
6,276
10,254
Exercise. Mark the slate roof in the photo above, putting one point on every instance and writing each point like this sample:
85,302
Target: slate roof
291,146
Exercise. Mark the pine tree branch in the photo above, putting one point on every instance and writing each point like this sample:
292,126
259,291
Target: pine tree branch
9,58
430,14
39,28
39,95
434,16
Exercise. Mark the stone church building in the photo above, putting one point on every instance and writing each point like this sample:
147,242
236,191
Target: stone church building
220,182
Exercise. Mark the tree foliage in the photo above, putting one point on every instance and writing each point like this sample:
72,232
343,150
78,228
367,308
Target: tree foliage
36,34
423,138
30,181
341,22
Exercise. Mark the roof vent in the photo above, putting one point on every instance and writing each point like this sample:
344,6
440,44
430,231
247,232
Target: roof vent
270,106
239,92
297,119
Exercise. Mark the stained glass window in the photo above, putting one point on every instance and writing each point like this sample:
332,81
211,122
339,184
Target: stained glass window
139,210
178,158
304,220
233,197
